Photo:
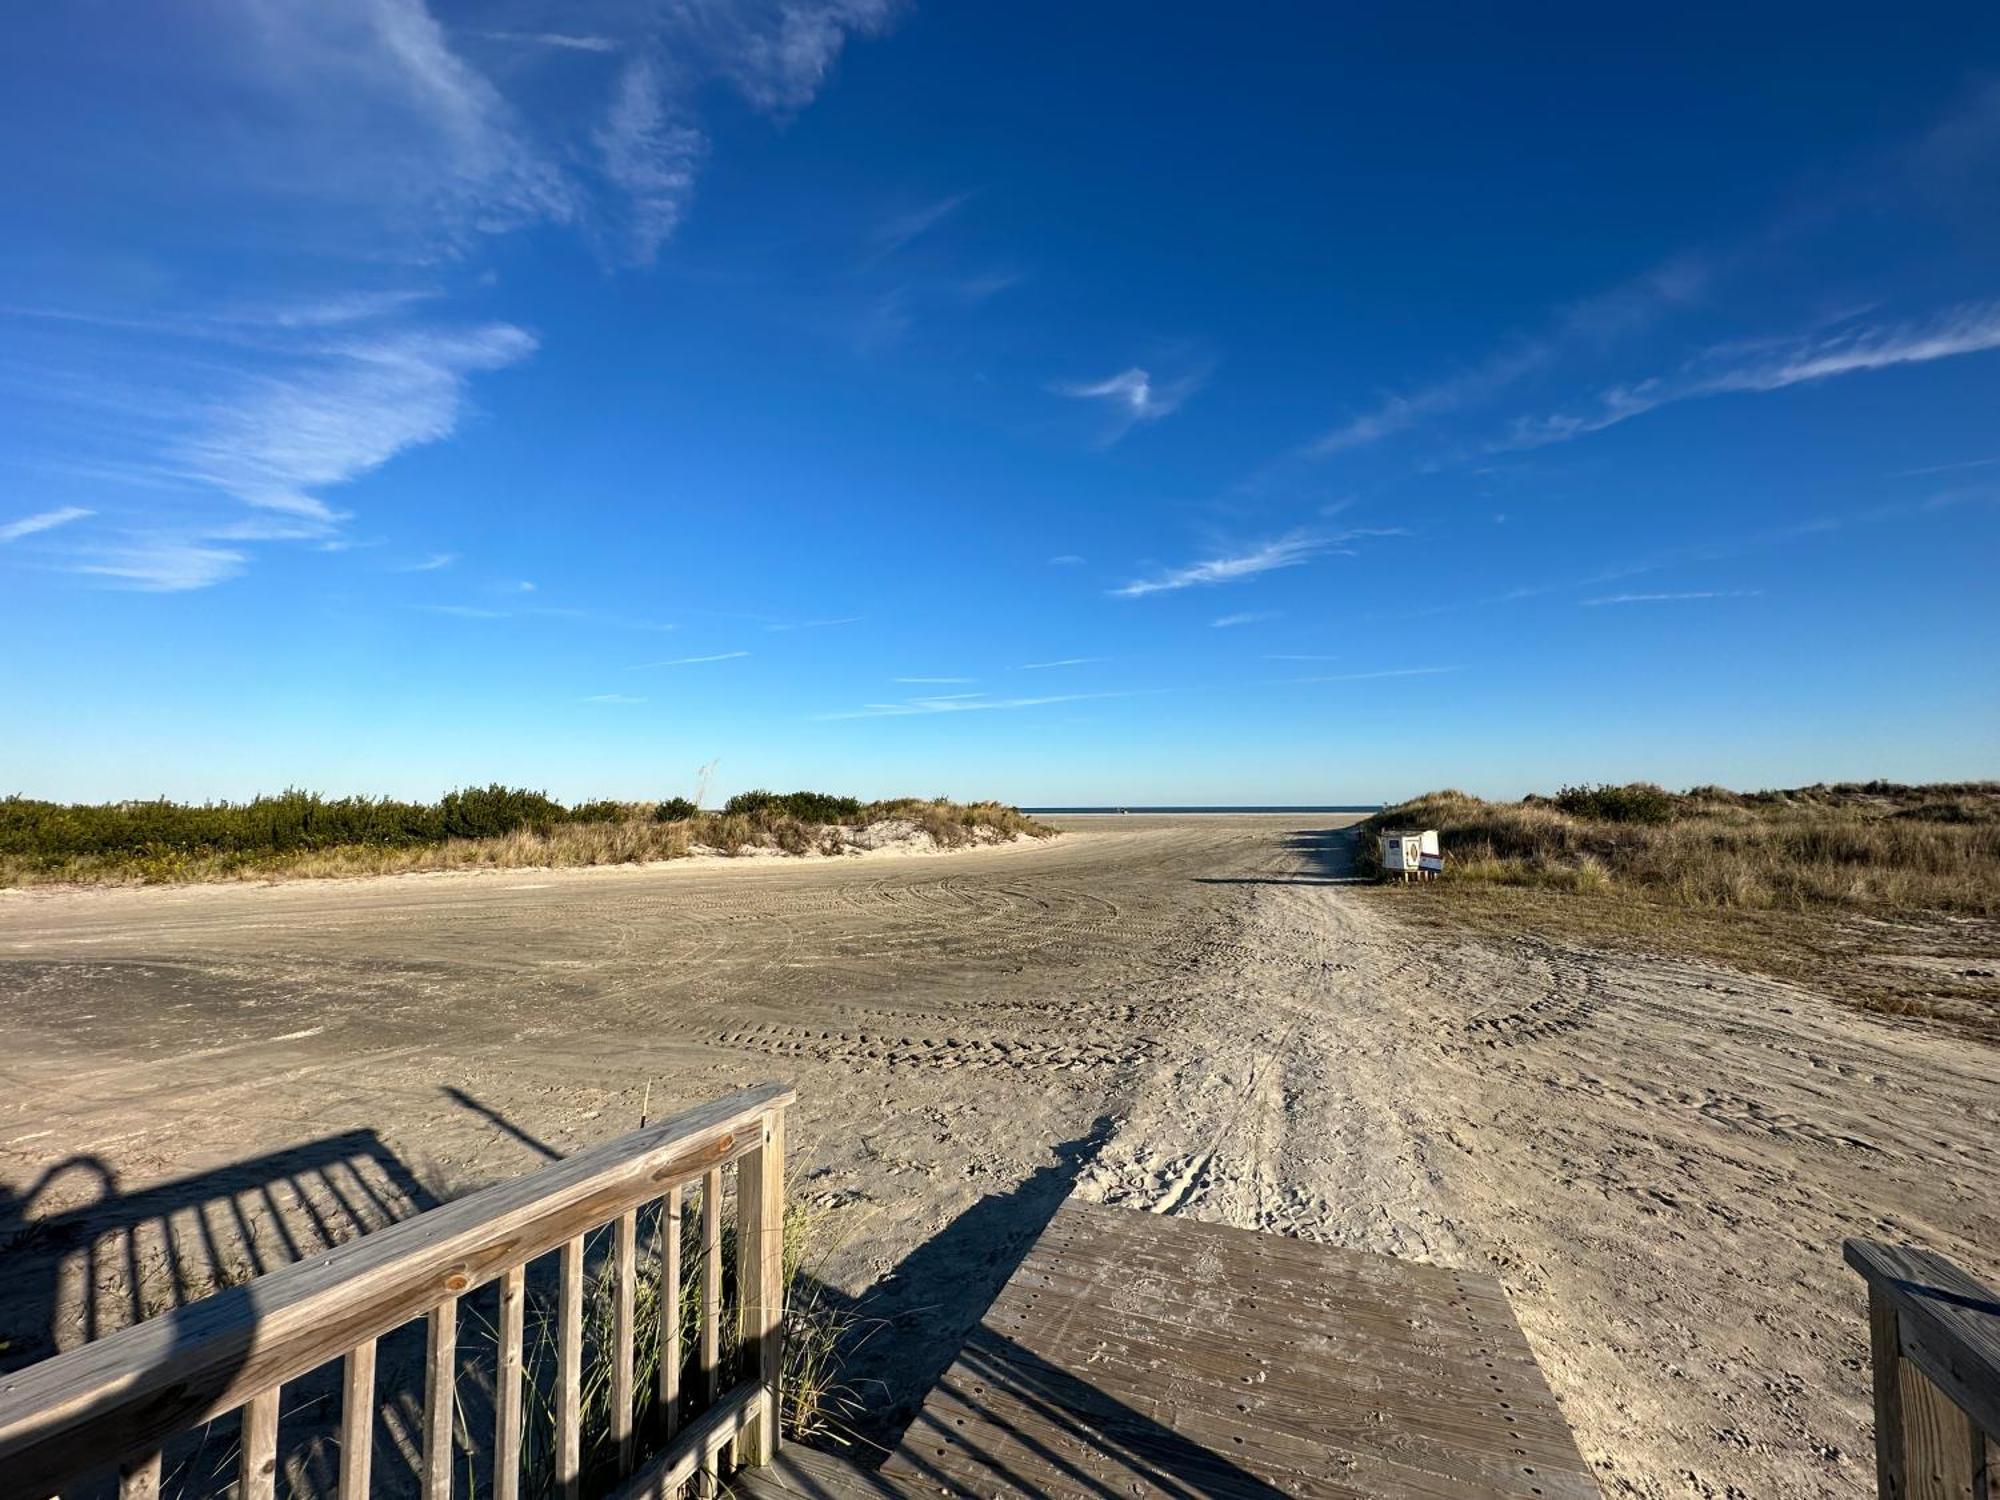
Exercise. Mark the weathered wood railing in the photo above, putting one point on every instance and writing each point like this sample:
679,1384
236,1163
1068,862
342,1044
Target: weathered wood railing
117,1404
1934,1335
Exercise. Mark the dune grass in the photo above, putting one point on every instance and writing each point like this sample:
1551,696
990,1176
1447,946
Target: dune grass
1883,892
300,835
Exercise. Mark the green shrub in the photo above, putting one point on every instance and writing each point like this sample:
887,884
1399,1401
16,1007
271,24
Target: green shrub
1636,802
674,810
816,808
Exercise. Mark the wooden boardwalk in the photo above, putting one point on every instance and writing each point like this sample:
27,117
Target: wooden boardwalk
1134,1355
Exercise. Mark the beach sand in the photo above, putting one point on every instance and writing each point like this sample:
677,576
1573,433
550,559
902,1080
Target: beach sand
1191,1015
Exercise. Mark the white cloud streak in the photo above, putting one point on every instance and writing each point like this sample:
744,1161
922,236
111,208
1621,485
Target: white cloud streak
1246,617
959,703
1371,676
46,520
1067,661
1972,328
355,406
690,661
1686,596
164,566
431,564
651,156
1134,395
561,41
1284,552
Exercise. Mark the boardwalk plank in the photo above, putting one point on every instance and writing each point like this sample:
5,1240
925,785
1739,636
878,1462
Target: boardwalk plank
1138,1354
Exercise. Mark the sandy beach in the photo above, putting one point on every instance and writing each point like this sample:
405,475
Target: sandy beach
1193,1015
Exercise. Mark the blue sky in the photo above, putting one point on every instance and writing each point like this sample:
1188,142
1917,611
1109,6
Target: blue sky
1059,403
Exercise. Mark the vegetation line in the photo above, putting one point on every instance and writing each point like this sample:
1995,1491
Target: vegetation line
303,834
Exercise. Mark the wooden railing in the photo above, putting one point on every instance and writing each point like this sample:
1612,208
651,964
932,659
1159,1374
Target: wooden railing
1934,1335
120,1403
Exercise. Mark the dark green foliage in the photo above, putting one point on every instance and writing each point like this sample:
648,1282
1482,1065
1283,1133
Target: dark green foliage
289,822
814,808
674,810
1637,802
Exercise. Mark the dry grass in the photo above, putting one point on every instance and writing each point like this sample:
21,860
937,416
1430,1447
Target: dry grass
638,838
1889,895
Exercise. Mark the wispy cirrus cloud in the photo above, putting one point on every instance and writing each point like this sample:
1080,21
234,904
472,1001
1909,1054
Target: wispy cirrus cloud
1686,596
1133,396
611,698
463,611
1590,322
961,703
652,156
1242,617
1383,672
348,409
690,661
560,40
1724,369
1065,661
431,564
1066,560
164,565
902,229
45,520
1233,567
933,681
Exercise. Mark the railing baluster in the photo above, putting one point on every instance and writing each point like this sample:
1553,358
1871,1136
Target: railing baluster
257,1464
669,1400
140,1479
357,1420
711,1284
569,1373
624,1269
760,1279
440,1362
137,1392
507,1392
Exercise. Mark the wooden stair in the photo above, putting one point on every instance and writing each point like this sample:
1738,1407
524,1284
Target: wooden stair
1137,1355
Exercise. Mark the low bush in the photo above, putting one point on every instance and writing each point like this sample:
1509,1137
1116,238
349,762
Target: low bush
674,810
817,808
1872,847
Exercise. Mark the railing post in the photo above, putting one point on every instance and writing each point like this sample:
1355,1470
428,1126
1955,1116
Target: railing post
760,1249
1926,1448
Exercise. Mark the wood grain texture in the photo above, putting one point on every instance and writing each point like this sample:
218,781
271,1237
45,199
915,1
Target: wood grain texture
695,1452
1885,1354
90,1409
507,1386
760,1272
1948,1323
1134,1353
624,1287
709,1338
668,1399
357,1421
1942,1452
569,1373
257,1458
440,1397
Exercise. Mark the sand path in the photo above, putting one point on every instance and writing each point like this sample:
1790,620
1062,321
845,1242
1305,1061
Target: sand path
1193,1016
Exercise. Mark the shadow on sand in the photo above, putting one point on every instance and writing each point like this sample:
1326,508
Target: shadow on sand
1325,856
103,1262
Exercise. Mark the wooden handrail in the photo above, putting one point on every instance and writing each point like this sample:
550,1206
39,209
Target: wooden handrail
1935,1342
118,1400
